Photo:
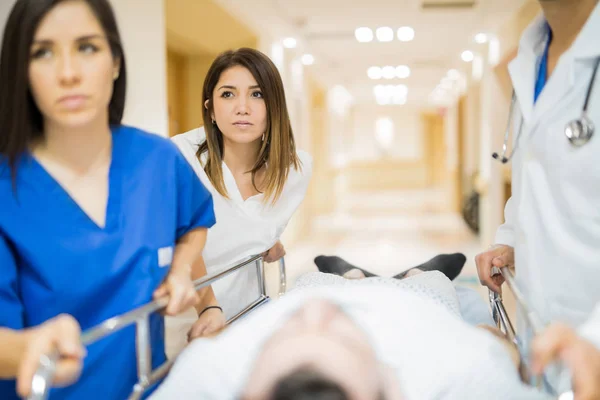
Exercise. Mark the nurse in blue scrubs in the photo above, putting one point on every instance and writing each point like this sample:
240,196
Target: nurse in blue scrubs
96,218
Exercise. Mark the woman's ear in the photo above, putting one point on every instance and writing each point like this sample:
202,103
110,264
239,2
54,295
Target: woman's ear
116,68
212,115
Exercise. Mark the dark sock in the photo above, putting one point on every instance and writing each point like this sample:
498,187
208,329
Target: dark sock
448,264
337,266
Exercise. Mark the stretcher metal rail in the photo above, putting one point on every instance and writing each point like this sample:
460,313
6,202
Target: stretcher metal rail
532,320
147,377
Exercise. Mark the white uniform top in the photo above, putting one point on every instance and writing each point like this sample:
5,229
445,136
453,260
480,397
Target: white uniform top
433,353
243,228
553,216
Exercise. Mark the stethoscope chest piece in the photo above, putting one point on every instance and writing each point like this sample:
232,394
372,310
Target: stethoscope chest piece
580,131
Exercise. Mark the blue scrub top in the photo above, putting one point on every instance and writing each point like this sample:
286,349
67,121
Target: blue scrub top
54,259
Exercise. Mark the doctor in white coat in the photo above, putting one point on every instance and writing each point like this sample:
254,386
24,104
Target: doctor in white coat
552,230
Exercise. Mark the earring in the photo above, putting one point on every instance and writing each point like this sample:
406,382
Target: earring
263,137
116,75
214,122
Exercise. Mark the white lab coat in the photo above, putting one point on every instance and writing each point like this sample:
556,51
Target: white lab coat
553,216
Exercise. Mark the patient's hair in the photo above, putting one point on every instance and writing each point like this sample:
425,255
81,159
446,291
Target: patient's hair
307,384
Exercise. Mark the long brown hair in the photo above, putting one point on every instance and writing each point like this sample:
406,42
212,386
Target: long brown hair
278,150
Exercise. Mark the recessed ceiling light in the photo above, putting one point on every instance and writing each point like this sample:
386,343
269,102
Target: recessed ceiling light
363,34
308,59
467,56
402,71
388,72
289,43
481,38
384,34
374,73
406,34
401,90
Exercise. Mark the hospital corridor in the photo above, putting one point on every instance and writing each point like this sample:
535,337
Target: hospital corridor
299,199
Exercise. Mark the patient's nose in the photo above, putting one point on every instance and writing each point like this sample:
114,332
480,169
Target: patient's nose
317,313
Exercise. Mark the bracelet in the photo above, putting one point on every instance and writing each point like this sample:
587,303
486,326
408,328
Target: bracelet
208,308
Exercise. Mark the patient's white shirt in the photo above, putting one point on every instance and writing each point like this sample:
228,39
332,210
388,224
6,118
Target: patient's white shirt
243,228
435,355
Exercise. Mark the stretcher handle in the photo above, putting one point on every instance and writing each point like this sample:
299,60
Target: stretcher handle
47,367
504,323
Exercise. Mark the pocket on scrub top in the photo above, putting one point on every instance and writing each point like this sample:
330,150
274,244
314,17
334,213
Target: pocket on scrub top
161,260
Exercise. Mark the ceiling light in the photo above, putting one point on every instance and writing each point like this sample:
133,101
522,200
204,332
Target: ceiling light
406,34
289,43
384,34
363,34
453,74
308,59
374,73
401,90
382,100
467,56
379,90
402,71
388,72
481,38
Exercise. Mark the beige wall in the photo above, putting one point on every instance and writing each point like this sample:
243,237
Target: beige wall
407,143
143,32
320,191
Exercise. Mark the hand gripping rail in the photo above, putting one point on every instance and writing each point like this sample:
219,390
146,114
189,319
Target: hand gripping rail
42,380
504,323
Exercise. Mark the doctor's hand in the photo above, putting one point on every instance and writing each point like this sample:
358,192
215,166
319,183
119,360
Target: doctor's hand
497,256
61,334
274,253
581,357
210,322
178,285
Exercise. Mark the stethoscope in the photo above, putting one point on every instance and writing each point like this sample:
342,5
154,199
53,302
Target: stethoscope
579,131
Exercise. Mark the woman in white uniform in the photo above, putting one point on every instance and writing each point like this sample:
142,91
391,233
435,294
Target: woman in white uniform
246,155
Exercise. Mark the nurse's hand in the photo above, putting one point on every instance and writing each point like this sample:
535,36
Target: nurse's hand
178,285
497,256
210,322
274,253
60,334
581,357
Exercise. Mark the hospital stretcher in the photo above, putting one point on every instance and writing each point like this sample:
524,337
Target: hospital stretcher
533,322
140,317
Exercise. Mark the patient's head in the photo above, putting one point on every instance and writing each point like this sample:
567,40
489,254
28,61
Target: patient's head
307,384
318,350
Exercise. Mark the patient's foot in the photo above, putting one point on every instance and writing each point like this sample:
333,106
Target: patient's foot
354,274
337,266
448,264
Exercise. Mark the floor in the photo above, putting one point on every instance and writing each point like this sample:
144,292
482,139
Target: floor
386,234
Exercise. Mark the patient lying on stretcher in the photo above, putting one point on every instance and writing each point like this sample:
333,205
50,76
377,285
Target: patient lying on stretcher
337,338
